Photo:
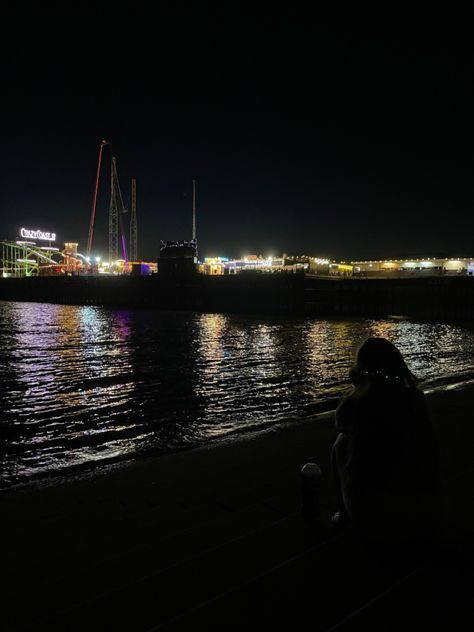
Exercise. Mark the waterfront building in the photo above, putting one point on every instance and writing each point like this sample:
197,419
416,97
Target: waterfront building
430,266
254,263
319,266
72,263
341,269
178,257
213,265
307,265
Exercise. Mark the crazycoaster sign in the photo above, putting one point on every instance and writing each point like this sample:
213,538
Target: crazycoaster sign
37,234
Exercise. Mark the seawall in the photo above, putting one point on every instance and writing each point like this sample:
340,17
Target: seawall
443,298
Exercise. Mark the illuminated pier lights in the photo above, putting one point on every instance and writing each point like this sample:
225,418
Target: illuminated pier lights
224,265
270,264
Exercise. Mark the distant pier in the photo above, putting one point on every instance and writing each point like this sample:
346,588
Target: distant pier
434,297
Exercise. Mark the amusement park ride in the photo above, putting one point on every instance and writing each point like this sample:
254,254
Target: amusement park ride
27,257
116,211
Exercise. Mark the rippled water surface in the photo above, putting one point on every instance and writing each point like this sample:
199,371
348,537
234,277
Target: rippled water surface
84,385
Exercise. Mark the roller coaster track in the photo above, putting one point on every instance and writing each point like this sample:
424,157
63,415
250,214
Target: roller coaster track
25,258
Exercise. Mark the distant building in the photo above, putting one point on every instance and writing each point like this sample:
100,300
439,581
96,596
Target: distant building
309,265
213,266
255,263
341,269
178,258
73,264
142,268
415,267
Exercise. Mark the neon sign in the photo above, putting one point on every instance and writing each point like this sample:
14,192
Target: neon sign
37,234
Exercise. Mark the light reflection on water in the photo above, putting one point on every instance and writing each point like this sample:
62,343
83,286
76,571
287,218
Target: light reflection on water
86,385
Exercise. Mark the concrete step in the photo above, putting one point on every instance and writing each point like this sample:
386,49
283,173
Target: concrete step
149,591
317,588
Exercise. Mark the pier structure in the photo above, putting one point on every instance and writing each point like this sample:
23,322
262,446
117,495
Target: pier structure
176,287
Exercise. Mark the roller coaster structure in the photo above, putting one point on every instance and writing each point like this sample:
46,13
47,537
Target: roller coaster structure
25,258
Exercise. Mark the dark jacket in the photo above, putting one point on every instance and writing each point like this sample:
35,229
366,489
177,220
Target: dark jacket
392,446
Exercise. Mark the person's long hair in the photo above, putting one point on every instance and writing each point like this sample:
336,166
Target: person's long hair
382,363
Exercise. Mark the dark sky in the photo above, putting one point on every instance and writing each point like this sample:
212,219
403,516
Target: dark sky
336,133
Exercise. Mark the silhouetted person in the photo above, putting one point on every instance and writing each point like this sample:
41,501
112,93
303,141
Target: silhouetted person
385,458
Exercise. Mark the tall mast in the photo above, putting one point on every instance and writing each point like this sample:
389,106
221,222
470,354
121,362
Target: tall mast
133,224
194,209
94,202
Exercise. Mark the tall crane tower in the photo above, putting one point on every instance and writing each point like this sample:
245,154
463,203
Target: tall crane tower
116,210
133,224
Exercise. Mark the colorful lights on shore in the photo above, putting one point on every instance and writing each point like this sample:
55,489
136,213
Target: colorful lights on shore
25,257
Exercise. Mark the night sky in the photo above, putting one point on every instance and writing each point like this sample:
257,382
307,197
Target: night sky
339,134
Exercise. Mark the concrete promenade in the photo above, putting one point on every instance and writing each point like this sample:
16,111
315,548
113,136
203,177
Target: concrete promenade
213,538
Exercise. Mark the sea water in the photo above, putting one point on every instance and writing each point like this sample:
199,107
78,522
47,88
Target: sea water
84,386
